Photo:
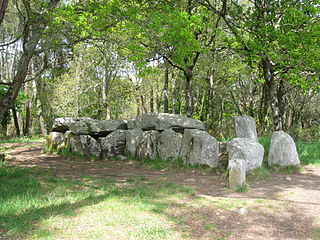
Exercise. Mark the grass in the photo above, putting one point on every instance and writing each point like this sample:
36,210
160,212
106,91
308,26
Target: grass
38,205
260,173
28,139
309,152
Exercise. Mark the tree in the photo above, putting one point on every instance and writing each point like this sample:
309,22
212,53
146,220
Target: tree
274,36
3,7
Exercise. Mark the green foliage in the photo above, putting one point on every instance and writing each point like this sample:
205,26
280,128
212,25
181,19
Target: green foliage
243,188
309,152
260,173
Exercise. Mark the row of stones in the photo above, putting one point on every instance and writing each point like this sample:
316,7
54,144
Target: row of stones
194,146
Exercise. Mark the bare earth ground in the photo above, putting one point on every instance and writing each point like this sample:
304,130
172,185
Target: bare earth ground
277,208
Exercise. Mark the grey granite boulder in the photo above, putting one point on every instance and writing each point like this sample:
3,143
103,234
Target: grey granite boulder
147,146
162,121
247,149
283,151
199,147
97,127
245,127
54,139
132,141
169,144
114,144
131,124
237,173
63,124
84,145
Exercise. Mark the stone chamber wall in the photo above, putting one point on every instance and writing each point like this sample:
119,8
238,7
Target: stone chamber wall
171,136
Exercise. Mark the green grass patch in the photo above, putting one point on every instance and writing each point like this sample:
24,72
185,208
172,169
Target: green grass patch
243,188
28,139
309,152
39,205
260,173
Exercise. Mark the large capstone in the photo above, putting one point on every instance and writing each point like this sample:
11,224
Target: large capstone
247,149
147,146
84,145
245,127
169,144
162,121
63,124
114,144
199,147
237,173
132,141
97,127
54,139
283,151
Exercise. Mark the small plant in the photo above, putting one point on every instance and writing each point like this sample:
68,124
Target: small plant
260,173
243,188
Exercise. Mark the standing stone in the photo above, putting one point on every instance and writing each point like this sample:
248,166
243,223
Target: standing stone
246,127
114,144
85,145
283,151
147,146
237,173
169,144
162,121
132,141
247,149
54,139
199,147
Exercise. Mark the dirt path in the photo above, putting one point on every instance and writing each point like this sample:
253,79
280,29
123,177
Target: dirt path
278,208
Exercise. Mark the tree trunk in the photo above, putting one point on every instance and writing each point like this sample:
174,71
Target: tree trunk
166,87
15,120
188,93
3,7
268,90
105,91
151,100
279,111
26,129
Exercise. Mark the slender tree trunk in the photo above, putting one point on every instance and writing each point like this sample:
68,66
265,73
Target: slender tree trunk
3,7
105,91
15,120
188,92
26,130
166,87
151,100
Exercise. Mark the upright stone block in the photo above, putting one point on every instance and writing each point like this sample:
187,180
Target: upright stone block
247,149
237,173
132,141
283,151
147,146
199,147
114,144
245,127
169,144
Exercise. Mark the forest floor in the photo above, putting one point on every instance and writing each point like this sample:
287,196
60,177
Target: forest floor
179,203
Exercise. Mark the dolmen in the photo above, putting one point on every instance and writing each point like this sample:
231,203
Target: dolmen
150,135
